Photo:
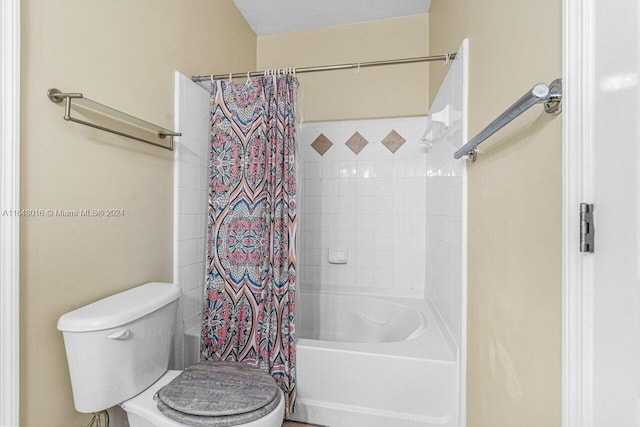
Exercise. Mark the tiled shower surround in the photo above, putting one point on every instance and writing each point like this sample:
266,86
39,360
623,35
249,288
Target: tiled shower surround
447,204
373,204
400,216
190,208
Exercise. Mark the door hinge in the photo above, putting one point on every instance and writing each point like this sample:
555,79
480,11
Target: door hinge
586,227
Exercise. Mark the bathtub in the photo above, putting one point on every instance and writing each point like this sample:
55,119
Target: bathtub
366,361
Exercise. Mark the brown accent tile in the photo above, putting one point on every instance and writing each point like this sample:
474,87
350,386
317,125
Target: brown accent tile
393,141
356,143
321,144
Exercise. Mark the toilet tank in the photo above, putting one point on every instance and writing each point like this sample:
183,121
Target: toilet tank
120,345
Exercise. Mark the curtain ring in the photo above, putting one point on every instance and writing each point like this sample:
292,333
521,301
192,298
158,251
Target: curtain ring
230,77
212,82
447,57
358,69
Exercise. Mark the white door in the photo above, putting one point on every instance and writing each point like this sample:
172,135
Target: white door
616,195
602,302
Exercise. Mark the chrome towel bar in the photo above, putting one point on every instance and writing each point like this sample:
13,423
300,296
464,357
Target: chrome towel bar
551,96
57,97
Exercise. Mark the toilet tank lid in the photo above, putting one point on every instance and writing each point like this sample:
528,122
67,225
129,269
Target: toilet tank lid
119,309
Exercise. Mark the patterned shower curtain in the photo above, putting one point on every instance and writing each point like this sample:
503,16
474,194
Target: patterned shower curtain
251,263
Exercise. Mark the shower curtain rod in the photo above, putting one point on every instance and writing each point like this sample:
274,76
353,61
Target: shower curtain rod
350,66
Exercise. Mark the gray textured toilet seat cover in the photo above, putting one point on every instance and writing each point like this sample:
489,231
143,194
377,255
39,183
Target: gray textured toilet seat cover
219,394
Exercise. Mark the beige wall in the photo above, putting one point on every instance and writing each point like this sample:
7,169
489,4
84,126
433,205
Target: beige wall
514,207
123,54
391,91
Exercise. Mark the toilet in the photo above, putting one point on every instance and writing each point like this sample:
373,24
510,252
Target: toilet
118,353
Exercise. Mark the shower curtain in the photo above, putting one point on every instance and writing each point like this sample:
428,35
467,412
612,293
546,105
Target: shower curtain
251,262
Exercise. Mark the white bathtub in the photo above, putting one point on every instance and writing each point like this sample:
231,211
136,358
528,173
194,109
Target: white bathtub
365,361
356,319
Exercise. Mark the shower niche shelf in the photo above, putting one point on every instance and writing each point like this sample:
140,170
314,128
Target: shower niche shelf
76,102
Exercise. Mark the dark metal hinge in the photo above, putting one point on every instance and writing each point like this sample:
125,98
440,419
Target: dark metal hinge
587,230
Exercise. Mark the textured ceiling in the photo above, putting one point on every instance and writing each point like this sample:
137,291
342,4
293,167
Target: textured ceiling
282,16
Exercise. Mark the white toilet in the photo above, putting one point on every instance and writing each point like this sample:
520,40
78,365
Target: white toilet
118,354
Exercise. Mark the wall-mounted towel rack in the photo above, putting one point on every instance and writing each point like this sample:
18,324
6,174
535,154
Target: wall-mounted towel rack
56,96
551,96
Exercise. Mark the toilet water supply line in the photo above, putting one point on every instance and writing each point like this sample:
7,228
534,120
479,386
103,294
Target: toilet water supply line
96,420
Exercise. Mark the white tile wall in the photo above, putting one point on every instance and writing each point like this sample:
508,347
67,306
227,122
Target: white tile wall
446,189
190,210
373,203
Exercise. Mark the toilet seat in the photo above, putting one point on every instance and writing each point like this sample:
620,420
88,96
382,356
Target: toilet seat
142,410
219,394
